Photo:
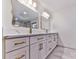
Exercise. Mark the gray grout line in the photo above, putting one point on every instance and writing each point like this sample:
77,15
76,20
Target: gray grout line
58,56
62,47
66,47
51,52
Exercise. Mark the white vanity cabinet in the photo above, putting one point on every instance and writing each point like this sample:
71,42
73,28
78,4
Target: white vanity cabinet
42,50
51,43
30,47
34,51
34,48
37,47
54,40
19,54
16,48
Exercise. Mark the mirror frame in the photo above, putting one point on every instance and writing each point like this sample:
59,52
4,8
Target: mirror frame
49,20
13,20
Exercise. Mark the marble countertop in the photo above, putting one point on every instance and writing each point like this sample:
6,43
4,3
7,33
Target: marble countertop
28,35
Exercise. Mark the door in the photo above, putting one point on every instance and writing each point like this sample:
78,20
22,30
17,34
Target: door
34,51
42,49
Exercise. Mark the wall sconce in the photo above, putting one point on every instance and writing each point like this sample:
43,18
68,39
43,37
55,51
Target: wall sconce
46,15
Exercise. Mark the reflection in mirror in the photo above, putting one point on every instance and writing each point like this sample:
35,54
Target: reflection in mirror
45,20
20,23
23,16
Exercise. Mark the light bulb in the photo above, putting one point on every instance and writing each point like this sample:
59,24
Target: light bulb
45,14
34,4
30,2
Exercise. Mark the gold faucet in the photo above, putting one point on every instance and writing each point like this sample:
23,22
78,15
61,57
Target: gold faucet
30,31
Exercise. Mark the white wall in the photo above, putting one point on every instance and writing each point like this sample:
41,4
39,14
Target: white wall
64,21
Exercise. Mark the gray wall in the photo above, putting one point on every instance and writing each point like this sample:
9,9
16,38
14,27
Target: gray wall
64,21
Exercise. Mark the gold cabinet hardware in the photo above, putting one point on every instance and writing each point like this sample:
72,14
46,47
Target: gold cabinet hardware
40,46
19,43
40,38
20,57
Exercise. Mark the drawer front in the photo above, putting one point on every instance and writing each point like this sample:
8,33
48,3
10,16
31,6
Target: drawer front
36,39
18,54
50,45
12,44
54,38
33,39
48,37
41,38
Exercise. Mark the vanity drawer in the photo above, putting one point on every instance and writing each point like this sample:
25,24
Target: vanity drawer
49,37
18,54
36,39
52,37
50,46
12,44
33,39
55,37
41,38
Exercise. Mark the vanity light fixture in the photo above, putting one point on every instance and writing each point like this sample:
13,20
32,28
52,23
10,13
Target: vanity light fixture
45,14
16,25
30,2
34,4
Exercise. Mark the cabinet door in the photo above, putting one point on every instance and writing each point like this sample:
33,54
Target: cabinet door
51,43
18,54
54,40
49,46
54,37
34,51
42,49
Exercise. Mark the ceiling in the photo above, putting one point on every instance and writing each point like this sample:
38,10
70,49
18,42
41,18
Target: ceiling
57,4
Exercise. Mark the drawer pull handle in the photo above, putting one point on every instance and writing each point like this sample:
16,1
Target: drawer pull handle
20,57
19,43
49,36
54,39
50,41
40,38
40,46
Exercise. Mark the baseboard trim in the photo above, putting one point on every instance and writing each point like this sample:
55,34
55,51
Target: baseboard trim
66,47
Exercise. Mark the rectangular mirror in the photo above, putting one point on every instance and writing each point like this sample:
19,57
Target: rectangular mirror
23,16
45,20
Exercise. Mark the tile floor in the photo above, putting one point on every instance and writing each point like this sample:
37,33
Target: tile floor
62,53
